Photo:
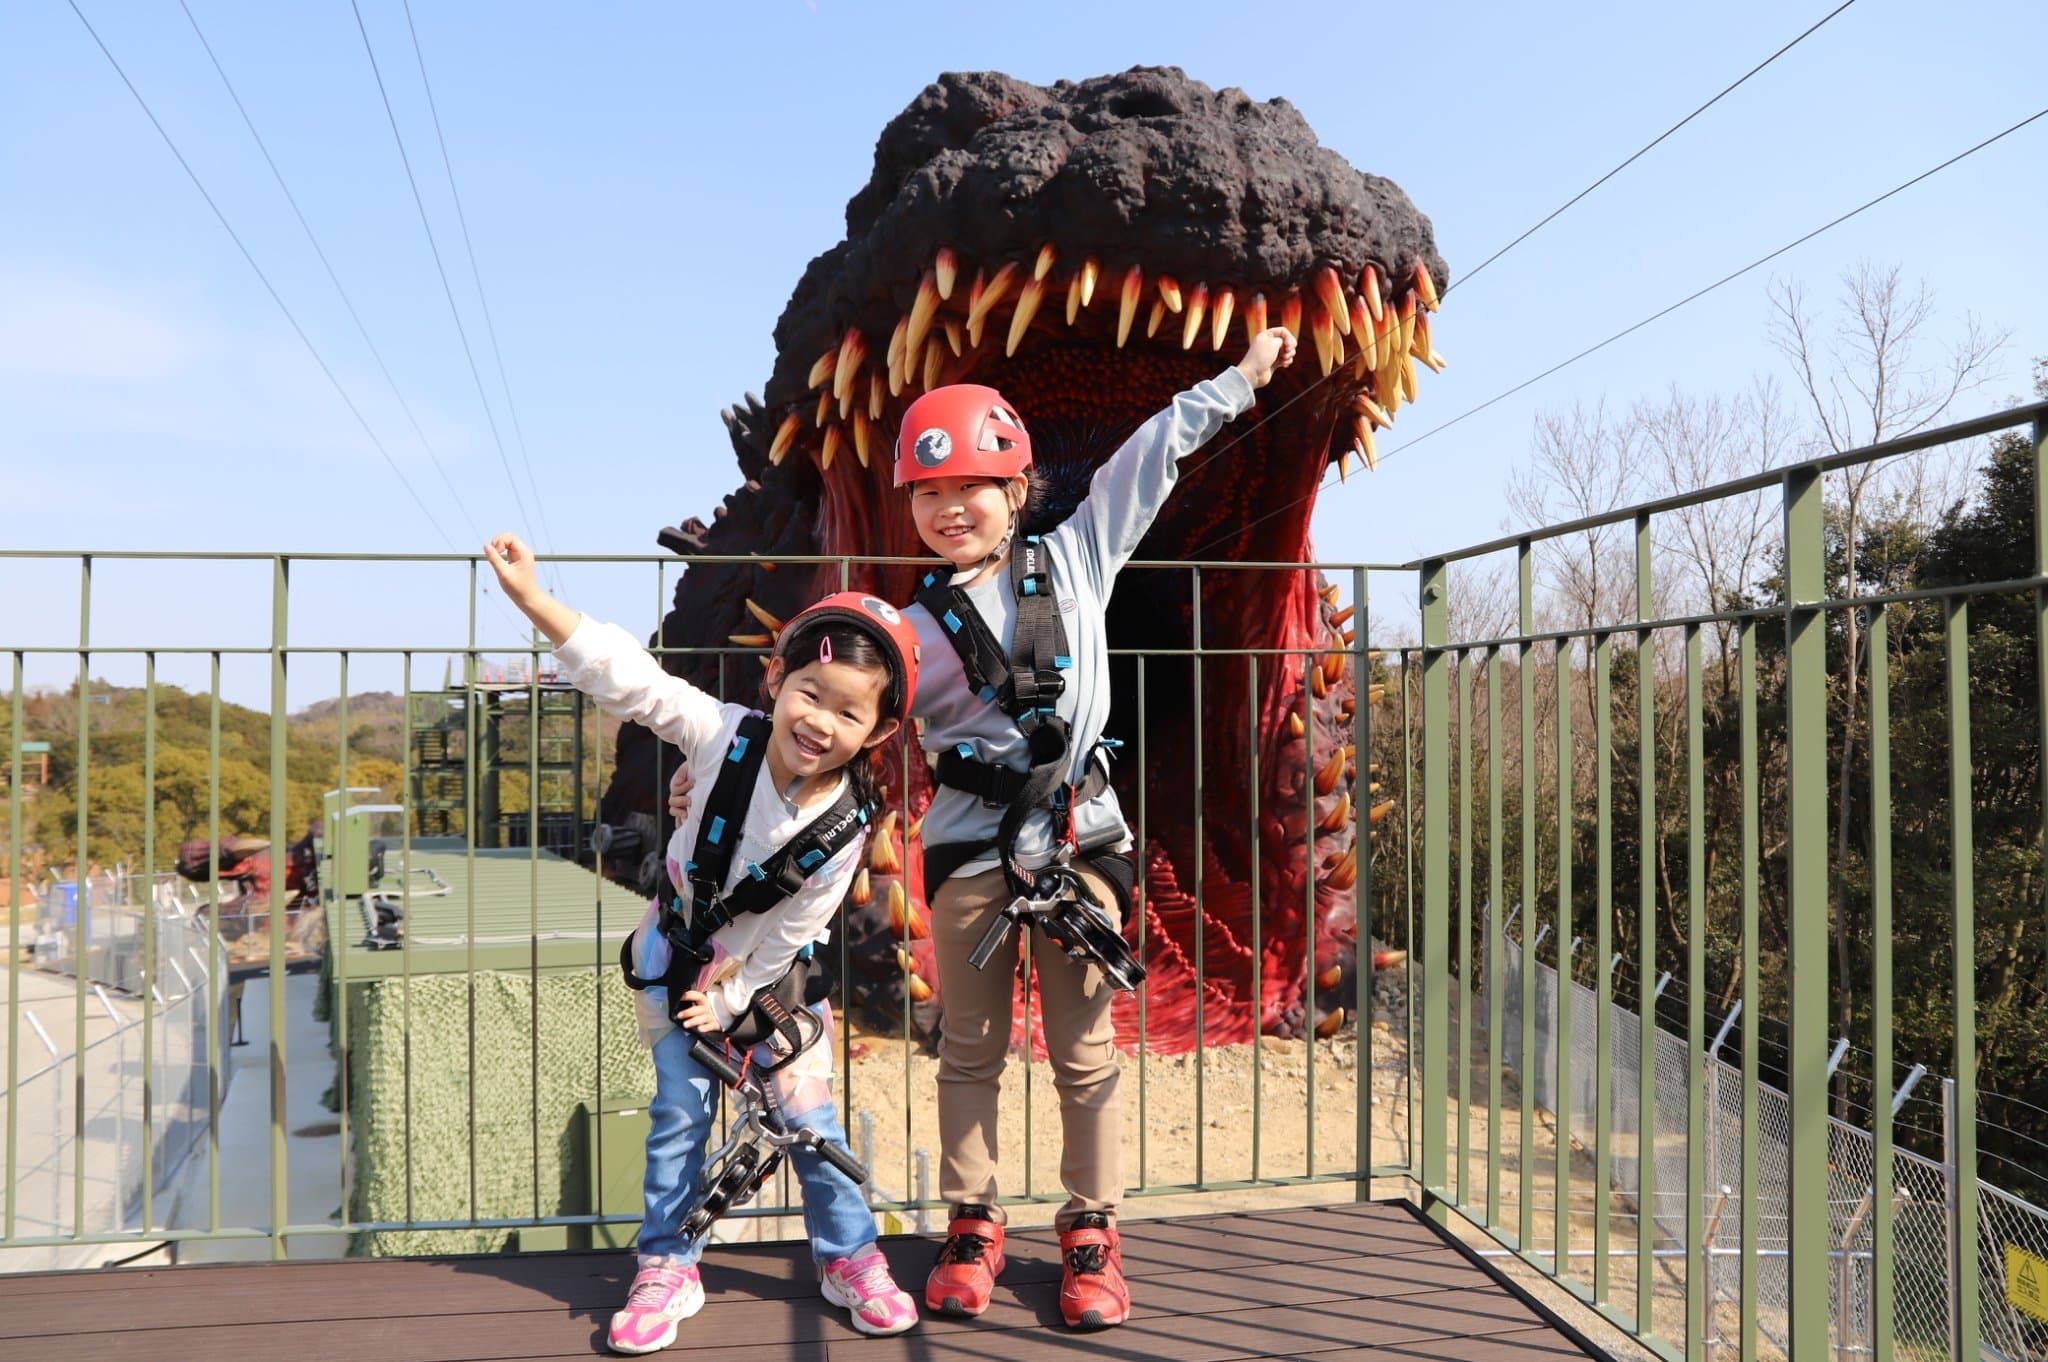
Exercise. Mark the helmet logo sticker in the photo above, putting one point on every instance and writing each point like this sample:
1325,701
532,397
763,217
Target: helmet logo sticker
934,447
881,610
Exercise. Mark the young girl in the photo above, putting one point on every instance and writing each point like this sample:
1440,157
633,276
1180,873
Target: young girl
1014,703
841,681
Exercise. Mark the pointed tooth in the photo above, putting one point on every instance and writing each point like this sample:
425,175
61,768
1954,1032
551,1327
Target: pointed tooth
1127,306
863,889
1425,286
1370,410
1369,289
956,337
1342,617
1344,873
1073,299
882,856
822,368
921,313
846,403
1350,636
1330,977
863,432
1191,320
905,962
1319,686
830,450
1331,294
1370,450
945,269
1328,347
1295,727
785,435
1434,361
1027,307
1408,384
1219,320
899,909
1254,317
1090,270
918,990
1344,464
1361,429
1331,594
1044,264
885,828
749,640
1418,343
1406,339
878,397
1362,334
1290,313
853,352
998,289
824,407
1338,816
1335,665
1169,293
895,354
768,620
1380,810
916,828
934,364
1158,315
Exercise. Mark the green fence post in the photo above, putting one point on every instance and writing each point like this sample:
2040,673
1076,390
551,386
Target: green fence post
1646,938
1562,1109
1964,938
1463,676
1361,885
1436,888
280,613
1806,967
1525,659
1697,1268
1603,963
1496,887
1751,954
1882,1312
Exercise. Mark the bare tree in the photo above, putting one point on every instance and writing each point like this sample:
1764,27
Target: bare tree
1724,544
1874,373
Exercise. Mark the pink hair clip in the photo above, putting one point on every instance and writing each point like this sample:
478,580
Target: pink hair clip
825,649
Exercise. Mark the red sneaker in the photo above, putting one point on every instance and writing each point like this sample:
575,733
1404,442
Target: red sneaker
969,1262
1092,1290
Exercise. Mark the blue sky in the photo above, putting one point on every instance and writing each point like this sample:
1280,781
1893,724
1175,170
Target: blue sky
645,182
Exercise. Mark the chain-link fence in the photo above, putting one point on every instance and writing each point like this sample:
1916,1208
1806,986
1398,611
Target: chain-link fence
2013,1234
94,1124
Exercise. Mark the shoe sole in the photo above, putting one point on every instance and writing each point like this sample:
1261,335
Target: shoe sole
952,1305
1092,1319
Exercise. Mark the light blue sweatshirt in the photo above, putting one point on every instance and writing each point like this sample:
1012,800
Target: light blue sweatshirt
1085,554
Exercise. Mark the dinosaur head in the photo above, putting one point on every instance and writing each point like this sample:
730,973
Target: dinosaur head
1090,249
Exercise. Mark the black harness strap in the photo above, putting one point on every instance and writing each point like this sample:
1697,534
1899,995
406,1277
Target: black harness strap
1025,682
764,886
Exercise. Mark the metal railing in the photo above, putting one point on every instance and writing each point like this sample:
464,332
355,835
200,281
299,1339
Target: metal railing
1317,1126
1543,823
1564,791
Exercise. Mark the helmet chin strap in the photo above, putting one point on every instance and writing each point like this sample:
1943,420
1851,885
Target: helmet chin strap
963,576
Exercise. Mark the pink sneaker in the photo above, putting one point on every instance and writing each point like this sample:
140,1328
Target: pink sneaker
661,1298
862,1284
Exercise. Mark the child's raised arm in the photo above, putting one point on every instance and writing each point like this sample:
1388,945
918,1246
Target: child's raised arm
513,562
604,661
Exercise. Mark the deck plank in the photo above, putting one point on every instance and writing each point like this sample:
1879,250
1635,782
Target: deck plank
1333,1283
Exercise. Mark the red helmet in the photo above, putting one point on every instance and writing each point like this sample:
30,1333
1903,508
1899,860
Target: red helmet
879,620
963,430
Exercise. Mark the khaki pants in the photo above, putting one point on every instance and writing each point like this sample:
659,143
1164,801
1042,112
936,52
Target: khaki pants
974,1042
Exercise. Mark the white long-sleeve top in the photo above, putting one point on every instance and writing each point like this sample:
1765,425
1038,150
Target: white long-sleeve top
611,667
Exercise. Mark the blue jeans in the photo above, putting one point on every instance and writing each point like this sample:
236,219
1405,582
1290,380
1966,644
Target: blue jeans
679,1129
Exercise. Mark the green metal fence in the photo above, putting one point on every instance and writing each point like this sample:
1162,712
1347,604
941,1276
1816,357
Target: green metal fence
504,964
1658,1288
1517,778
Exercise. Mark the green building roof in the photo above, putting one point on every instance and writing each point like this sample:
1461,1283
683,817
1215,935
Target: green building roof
489,909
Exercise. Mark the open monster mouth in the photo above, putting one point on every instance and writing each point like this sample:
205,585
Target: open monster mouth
1090,249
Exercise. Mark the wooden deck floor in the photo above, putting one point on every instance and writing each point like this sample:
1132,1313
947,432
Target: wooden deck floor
1331,1283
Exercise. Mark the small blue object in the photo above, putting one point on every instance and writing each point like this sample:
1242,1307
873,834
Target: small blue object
689,867
1031,586
931,578
1062,662
811,859
952,623
988,695
756,871
717,833
964,749
739,748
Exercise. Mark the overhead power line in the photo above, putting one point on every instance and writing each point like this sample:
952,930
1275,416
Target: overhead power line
441,269
490,326
268,287
1648,146
333,278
